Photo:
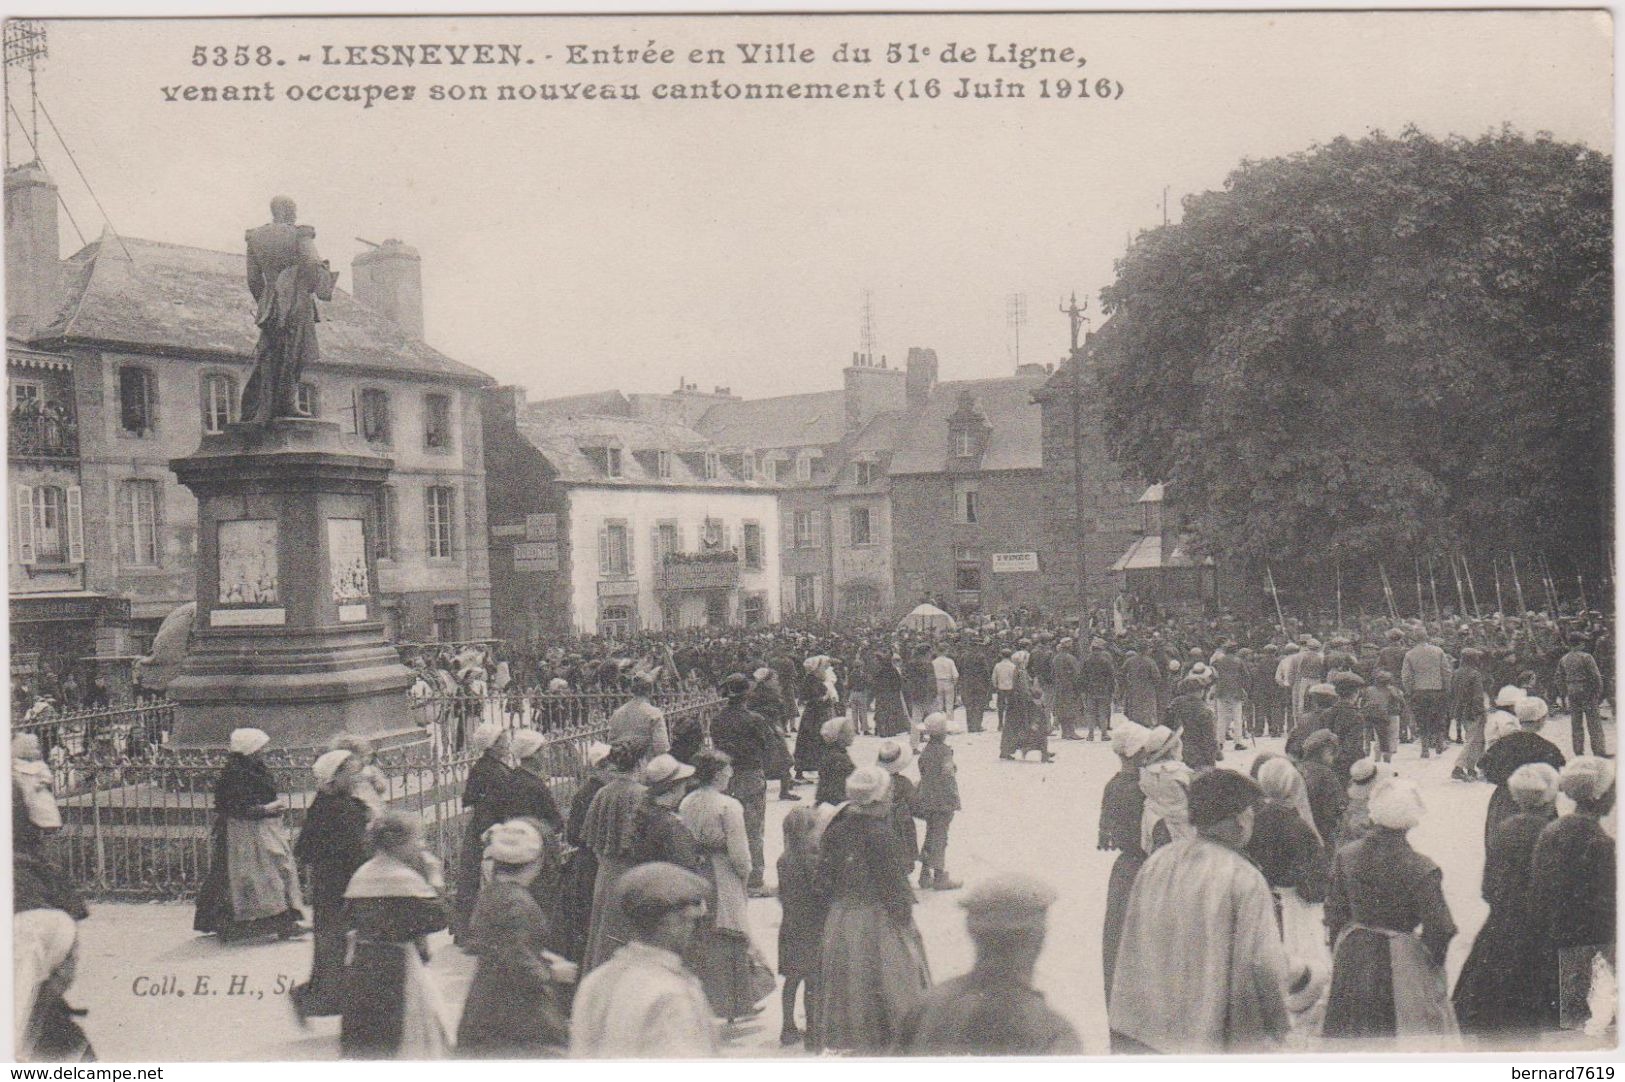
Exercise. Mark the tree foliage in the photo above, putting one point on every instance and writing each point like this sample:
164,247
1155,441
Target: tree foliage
1376,347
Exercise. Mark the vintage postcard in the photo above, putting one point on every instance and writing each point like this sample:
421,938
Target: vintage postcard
784,535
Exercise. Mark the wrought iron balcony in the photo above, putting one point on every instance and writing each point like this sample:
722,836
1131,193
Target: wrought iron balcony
42,436
698,571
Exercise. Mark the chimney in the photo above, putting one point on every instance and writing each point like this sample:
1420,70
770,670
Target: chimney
871,389
389,280
32,257
922,374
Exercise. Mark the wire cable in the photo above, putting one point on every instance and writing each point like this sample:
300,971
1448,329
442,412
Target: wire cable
84,179
65,208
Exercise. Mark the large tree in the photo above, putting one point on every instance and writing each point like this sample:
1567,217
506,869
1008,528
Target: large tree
1377,347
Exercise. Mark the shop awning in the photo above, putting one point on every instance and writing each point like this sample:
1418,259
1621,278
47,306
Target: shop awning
55,605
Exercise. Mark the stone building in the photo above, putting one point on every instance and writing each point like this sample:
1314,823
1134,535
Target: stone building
968,492
809,445
149,345
603,522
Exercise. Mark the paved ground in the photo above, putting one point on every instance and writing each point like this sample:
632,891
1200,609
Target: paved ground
156,991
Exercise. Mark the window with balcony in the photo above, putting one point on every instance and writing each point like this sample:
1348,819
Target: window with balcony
437,422
40,426
439,501
753,546
373,416
138,523
26,394
862,532
137,400
219,402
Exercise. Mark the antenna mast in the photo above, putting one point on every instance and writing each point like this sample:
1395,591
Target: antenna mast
1015,315
866,330
24,43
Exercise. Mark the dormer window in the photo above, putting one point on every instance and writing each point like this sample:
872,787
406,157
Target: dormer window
713,465
663,465
612,461
747,466
804,467
770,468
865,472
964,444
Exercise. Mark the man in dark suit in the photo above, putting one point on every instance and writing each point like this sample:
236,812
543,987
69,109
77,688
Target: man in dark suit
285,277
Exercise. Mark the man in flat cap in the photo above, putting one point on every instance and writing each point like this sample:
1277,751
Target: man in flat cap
994,1010
1201,968
644,1003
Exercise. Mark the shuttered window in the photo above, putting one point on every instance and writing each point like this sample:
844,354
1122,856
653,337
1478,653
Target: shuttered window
614,548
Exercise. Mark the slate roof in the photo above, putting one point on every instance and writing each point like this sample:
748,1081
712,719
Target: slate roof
151,296
796,420
602,403
874,442
565,440
1015,443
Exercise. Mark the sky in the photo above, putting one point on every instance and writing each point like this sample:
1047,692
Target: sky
573,246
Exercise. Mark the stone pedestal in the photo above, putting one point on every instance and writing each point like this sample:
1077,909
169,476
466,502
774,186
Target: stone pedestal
287,637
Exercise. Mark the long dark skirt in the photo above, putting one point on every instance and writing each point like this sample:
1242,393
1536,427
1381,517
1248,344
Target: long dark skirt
572,914
469,871
323,993
890,717
809,741
609,929
872,973
214,911
1508,986
1124,869
1384,986
720,958
387,1009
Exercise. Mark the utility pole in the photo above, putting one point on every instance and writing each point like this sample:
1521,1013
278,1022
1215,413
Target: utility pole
1076,317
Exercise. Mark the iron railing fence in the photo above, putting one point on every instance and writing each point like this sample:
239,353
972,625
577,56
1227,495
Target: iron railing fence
139,827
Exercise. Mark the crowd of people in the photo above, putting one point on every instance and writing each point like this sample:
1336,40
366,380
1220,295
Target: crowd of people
1278,907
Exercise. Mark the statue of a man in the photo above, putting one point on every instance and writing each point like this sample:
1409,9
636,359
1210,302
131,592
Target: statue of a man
286,277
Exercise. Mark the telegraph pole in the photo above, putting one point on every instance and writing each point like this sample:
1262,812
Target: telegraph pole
1077,318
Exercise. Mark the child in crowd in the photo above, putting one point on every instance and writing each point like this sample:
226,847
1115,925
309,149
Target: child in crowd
935,801
801,931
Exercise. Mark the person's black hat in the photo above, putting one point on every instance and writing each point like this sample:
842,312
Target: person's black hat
1219,794
732,687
